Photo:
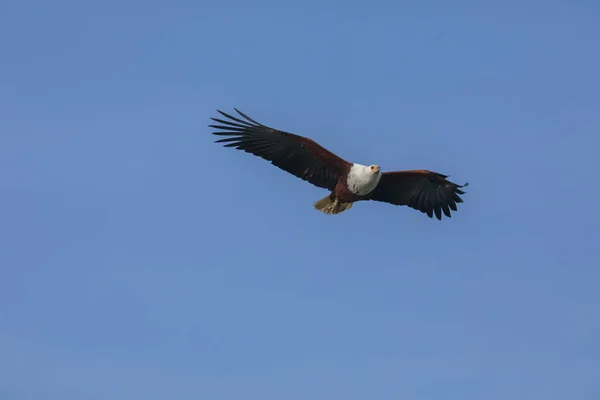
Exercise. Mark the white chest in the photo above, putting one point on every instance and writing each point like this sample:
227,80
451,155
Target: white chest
362,180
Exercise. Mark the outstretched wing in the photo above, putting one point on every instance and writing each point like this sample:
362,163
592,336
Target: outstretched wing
426,191
300,156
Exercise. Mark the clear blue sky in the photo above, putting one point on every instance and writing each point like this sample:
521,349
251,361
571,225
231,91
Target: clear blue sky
141,260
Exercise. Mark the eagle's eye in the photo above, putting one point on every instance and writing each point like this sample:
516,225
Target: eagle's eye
374,168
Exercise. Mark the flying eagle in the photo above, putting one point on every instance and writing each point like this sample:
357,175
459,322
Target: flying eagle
423,190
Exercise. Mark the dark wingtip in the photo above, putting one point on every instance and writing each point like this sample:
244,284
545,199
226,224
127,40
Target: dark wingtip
248,118
461,186
223,113
214,119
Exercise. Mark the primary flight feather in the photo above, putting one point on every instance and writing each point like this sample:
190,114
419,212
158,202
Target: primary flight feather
423,190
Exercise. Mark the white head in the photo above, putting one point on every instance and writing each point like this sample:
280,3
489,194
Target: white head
363,179
375,169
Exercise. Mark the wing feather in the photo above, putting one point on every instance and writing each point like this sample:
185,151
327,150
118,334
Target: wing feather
298,155
423,190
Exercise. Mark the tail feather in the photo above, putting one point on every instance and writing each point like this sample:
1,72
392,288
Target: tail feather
328,206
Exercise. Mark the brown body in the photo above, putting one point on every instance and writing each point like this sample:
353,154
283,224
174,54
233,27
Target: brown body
340,199
343,194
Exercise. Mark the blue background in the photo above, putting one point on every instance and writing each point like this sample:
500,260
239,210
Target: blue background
140,260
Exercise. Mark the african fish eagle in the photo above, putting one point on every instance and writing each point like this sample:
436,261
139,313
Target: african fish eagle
423,190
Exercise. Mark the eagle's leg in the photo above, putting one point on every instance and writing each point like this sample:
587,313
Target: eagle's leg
335,206
328,205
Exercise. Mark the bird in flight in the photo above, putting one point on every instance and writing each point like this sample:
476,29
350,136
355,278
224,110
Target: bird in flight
348,182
